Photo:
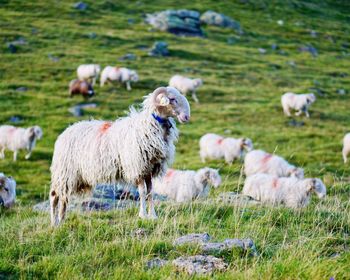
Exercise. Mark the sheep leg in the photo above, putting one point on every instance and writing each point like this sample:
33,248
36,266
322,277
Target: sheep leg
15,156
93,80
62,208
345,153
2,153
142,193
307,114
194,97
28,155
286,111
128,87
53,208
202,155
298,113
151,212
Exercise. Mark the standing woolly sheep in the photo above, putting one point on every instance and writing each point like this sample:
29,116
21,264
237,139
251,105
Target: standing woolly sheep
16,138
87,72
185,185
213,146
81,87
292,192
258,161
116,74
7,190
346,147
186,85
298,102
132,150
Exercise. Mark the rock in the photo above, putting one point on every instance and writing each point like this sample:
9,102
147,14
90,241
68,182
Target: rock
194,238
156,263
12,48
295,123
237,199
139,233
280,22
319,91
313,34
231,40
95,205
341,91
53,58
199,264
216,19
15,119
227,131
92,35
275,47
345,45
21,89
128,56
178,22
116,192
81,6
262,51
309,48
291,63
245,245
159,49
77,110
131,21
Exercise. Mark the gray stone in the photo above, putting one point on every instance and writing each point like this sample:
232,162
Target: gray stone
309,48
313,34
194,238
199,264
15,119
159,49
81,6
262,51
295,123
245,245
291,63
139,233
274,47
21,89
92,35
128,56
12,48
156,263
53,58
341,91
179,22
216,19
237,199
78,110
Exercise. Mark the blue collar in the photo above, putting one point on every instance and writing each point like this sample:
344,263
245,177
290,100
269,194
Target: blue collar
159,119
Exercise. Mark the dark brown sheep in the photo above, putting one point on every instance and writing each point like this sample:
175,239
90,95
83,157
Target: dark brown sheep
81,87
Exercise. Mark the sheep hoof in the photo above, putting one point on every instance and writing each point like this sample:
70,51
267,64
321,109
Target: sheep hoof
27,157
152,216
143,216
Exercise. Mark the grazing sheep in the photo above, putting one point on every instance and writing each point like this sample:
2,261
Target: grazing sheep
87,72
292,192
346,147
298,102
7,190
16,138
213,146
81,87
116,74
132,150
258,161
186,85
185,185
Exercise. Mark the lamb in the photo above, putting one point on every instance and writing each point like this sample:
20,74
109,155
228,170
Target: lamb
131,150
293,192
346,147
213,146
258,161
186,85
298,102
185,185
7,190
116,74
81,87
16,138
87,72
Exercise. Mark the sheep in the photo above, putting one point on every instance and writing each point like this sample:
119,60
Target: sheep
7,190
298,102
81,87
186,85
185,185
293,192
116,74
213,146
346,147
258,161
131,150
16,138
87,72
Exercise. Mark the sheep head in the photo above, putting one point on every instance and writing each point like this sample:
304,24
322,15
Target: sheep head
317,186
197,82
169,102
296,172
36,132
133,76
247,144
210,176
7,190
311,98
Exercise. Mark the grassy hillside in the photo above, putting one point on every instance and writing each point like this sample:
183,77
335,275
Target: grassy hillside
241,95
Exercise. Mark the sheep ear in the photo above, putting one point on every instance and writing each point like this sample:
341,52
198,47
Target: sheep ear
2,182
161,98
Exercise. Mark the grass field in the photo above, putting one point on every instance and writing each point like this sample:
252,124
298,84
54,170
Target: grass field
241,93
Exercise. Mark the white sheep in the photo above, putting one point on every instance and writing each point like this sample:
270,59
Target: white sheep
88,72
7,190
213,146
258,161
186,85
298,102
346,147
132,150
16,138
292,192
116,74
185,185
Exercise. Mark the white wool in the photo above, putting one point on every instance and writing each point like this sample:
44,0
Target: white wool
292,192
128,150
186,85
346,147
7,190
298,102
116,74
185,185
213,146
88,72
15,138
258,161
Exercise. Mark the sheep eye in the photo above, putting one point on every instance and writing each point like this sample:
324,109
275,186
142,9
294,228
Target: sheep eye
173,100
6,189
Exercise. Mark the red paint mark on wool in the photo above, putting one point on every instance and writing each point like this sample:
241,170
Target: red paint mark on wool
219,141
275,184
169,173
105,127
266,158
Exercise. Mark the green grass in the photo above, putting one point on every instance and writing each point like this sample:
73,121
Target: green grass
241,93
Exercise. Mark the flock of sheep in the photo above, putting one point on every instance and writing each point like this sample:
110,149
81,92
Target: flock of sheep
138,149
